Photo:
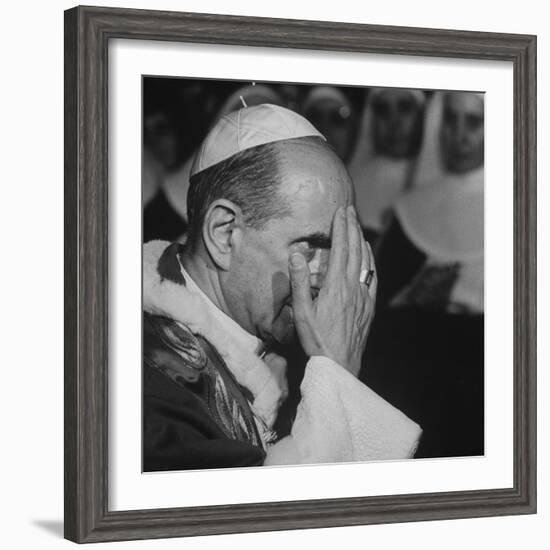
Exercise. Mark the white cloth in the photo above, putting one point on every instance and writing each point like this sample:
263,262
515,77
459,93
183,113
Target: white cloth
443,216
243,339
190,306
446,219
378,180
338,418
247,128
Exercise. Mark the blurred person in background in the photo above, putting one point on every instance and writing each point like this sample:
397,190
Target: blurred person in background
291,94
433,254
426,350
175,112
160,147
176,183
332,113
389,139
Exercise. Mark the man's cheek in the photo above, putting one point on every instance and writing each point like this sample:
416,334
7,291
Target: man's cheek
280,290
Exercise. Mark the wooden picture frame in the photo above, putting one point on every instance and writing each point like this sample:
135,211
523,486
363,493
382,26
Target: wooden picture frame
87,34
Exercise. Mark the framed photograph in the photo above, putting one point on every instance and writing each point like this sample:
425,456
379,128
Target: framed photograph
300,264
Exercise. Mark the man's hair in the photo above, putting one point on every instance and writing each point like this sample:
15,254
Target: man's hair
250,179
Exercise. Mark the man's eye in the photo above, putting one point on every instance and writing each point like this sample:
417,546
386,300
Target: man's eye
309,254
307,250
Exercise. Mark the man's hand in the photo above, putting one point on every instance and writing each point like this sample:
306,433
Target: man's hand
336,323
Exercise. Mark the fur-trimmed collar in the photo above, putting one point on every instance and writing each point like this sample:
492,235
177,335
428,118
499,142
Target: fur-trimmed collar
165,292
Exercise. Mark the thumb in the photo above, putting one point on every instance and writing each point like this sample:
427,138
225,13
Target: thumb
299,280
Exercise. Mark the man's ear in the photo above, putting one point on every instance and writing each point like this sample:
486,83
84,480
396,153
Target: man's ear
220,231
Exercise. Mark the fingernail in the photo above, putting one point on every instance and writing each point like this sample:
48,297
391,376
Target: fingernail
297,260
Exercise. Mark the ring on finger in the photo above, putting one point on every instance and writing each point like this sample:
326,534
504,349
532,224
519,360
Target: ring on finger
366,276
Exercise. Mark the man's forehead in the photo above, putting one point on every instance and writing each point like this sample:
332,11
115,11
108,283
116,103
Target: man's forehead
312,169
313,204
304,187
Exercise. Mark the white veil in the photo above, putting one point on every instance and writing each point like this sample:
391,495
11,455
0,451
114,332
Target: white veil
443,215
443,212
378,180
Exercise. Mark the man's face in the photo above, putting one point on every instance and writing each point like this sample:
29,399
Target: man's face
462,132
257,285
397,123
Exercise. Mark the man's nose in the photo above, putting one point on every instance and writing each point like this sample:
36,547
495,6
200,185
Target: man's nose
318,268
316,281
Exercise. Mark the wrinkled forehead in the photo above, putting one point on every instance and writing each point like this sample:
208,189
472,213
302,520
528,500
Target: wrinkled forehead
314,183
463,103
310,170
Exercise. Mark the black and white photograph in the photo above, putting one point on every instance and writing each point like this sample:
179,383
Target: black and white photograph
300,276
274,275
313,273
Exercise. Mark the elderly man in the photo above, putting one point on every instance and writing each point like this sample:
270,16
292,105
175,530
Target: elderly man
274,253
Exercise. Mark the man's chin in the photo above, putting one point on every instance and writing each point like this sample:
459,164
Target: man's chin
286,338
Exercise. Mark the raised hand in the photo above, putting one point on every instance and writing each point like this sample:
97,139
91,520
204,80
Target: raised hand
337,322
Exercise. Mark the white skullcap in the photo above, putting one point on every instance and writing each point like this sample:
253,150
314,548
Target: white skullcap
251,94
247,128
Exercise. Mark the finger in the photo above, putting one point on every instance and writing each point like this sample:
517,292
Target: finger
301,293
354,246
338,256
318,269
